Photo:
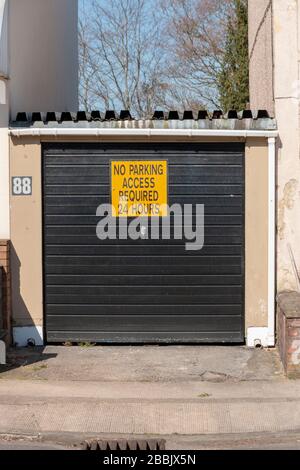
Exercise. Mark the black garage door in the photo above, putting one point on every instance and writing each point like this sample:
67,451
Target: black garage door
145,290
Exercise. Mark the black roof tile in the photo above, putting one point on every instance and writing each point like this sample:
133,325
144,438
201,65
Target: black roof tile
66,118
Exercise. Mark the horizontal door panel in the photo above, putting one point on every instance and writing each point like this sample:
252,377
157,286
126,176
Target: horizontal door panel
228,207
80,220
157,261
174,157
138,270
95,188
83,309
94,240
152,323
89,230
213,299
140,280
153,290
193,337
140,250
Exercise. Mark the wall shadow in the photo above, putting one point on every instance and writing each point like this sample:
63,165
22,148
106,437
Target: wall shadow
21,356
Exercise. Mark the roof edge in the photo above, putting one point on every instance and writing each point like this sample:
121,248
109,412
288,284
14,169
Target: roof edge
146,132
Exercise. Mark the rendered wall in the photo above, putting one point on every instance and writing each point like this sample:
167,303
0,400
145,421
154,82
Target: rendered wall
281,30
256,229
26,240
261,55
287,99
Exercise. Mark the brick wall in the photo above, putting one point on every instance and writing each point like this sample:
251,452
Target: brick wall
281,322
6,288
289,332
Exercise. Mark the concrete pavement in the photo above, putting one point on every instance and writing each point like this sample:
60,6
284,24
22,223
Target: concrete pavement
143,364
129,391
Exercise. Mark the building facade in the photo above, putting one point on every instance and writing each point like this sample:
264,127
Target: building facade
274,44
147,290
38,69
69,286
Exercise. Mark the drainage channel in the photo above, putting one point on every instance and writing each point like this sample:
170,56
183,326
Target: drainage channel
123,444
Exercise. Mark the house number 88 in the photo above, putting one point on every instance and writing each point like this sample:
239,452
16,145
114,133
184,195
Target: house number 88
22,186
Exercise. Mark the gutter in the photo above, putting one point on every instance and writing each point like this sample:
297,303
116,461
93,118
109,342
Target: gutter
99,132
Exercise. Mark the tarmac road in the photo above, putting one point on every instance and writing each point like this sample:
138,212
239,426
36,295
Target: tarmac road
251,441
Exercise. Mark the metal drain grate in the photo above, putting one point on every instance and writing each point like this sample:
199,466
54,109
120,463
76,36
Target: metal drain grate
101,445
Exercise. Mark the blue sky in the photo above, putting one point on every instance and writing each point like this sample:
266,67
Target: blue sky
83,4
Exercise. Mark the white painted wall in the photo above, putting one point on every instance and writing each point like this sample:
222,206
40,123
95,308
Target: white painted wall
43,54
4,161
4,118
39,54
3,38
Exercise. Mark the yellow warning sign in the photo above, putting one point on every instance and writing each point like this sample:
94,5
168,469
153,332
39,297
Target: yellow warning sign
139,188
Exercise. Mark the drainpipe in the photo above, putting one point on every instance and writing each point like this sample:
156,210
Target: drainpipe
271,241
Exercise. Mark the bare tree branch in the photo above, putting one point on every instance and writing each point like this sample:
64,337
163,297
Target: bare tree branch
196,42
147,54
121,56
